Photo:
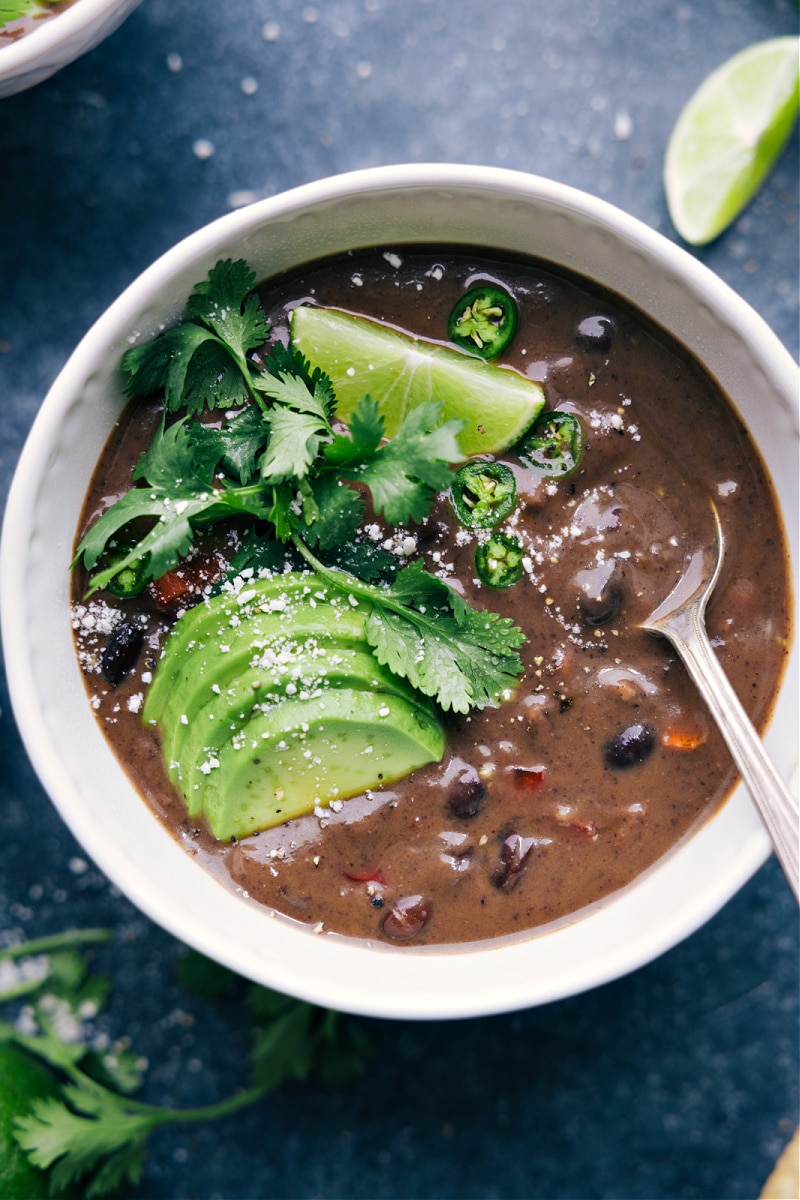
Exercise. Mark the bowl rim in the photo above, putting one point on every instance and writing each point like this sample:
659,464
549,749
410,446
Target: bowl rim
62,29
453,990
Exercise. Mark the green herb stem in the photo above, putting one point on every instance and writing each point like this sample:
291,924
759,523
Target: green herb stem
19,990
345,582
222,1108
56,941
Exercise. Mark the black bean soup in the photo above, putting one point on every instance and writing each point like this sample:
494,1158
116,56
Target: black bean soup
605,757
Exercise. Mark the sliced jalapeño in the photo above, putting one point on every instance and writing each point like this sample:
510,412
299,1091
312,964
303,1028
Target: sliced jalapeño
484,321
498,560
133,577
483,494
555,444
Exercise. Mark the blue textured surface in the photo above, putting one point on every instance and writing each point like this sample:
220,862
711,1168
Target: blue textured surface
678,1081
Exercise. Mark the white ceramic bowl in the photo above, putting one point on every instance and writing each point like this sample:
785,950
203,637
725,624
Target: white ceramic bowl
448,204
58,41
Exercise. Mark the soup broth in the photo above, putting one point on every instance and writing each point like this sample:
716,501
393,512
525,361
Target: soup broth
604,758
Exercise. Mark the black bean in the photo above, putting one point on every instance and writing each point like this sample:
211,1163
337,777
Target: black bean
466,793
631,747
406,918
602,607
595,333
122,651
514,854
430,532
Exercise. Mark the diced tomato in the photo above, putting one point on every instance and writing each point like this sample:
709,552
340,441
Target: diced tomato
684,737
184,585
368,875
528,779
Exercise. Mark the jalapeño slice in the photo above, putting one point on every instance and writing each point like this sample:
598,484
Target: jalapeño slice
498,560
484,321
483,494
131,579
554,445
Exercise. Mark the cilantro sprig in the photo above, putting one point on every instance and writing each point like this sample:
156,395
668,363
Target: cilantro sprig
284,460
202,362
422,629
88,1129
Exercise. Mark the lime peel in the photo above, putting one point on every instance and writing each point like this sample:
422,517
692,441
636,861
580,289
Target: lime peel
729,136
362,357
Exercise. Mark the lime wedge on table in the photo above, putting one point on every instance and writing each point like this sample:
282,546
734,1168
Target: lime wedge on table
729,135
399,372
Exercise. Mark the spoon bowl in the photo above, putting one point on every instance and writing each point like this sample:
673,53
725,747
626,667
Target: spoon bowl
680,618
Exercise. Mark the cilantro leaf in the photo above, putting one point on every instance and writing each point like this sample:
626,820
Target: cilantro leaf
298,418
404,474
174,460
117,1068
284,1050
333,525
290,379
295,1040
89,1128
345,1049
213,381
294,443
202,362
363,559
224,304
463,664
179,474
236,447
87,1135
365,434
256,552
424,631
282,512
339,513
416,587
192,366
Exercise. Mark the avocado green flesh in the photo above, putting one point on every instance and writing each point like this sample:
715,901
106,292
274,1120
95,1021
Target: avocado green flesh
196,671
189,743
225,622
271,702
220,621
303,754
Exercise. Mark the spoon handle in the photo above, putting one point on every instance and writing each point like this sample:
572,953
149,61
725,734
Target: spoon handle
769,793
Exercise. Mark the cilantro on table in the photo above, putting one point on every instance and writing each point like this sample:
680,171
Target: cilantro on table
279,457
68,1107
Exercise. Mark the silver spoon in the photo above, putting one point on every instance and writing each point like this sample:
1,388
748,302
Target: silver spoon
681,619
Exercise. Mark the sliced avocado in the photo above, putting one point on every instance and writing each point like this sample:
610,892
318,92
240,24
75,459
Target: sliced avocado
213,620
217,623
306,753
215,663
330,665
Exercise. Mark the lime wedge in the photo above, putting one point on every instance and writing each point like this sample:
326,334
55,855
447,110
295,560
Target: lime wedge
729,135
399,372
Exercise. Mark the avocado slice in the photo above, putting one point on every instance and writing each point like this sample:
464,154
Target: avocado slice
305,753
329,665
219,622
204,667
